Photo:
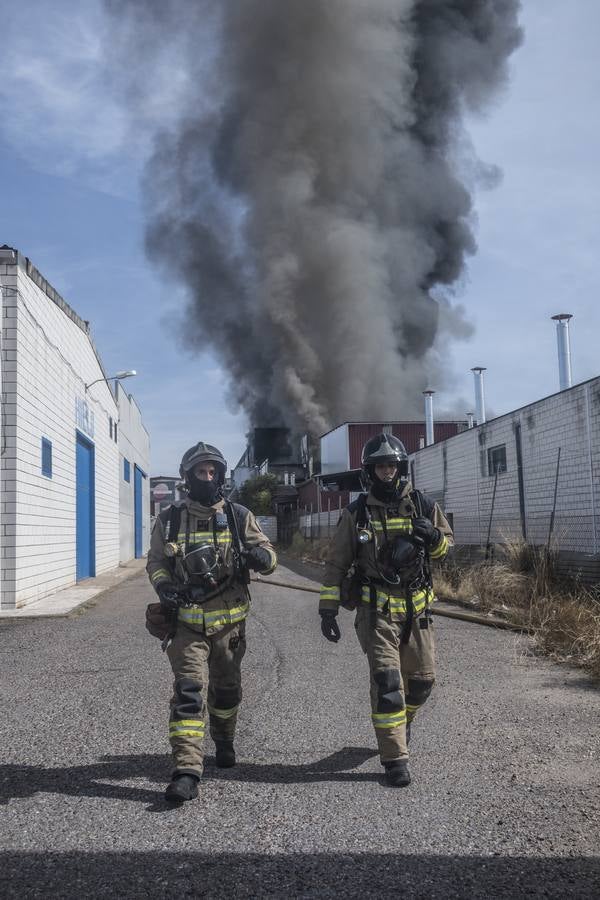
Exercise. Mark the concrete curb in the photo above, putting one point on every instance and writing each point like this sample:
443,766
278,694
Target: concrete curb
64,603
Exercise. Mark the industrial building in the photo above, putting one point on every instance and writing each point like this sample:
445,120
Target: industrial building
74,451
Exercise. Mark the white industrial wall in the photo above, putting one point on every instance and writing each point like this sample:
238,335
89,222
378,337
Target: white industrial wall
455,472
134,446
47,361
335,451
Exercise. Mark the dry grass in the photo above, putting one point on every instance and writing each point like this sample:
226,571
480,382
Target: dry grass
522,586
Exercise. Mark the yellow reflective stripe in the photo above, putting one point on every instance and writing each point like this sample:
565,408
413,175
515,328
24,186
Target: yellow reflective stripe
162,574
201,538
398,604
441,549
190,727
209,615
329,593
389,720
404,524
223,713
216,618
412,707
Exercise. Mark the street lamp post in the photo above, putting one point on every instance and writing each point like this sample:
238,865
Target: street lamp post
118,377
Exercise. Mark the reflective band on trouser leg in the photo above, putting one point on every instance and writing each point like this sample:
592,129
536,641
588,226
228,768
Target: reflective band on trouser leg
389,720
186,728
223,713
186,737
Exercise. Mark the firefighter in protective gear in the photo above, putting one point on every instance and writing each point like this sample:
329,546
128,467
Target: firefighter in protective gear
200,553
385,540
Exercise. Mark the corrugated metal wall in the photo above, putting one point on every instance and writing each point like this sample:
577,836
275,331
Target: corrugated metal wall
408,432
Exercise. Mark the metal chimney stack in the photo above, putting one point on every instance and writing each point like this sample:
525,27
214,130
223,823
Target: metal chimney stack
564,350
479,394
469,420
428,417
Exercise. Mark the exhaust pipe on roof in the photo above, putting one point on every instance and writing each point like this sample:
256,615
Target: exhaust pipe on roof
469,420
479,394
564,350
428,417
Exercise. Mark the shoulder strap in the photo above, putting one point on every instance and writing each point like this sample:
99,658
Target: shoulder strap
423,504
359,506
171,518
234,514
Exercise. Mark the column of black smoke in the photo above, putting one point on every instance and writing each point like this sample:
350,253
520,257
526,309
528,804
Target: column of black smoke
306,193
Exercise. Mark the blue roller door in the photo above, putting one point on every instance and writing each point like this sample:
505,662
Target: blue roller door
85,510
138,487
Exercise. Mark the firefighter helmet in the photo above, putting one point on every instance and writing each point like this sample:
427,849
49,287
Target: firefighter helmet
384,448
202,452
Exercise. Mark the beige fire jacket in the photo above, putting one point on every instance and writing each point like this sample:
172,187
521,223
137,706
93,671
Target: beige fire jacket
386,522
230,602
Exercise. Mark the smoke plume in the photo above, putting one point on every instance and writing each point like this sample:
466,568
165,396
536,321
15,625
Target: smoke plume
304,187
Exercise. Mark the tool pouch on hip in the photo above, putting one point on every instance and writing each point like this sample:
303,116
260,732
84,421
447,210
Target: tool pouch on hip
351,590
157,623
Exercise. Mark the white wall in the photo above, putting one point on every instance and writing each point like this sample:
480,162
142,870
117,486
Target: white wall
455,472
48,358
335,451
134,446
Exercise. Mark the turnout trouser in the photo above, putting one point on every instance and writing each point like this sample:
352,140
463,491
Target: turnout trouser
207,677
402,676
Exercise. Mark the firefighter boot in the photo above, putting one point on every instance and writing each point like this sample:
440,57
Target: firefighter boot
396,773
225,756
182,787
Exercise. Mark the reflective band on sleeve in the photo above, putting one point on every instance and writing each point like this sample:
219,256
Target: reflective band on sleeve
330,593
160,575
440,550
223,713
186,727
389,720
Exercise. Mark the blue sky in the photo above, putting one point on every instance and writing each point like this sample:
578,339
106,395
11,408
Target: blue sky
70,166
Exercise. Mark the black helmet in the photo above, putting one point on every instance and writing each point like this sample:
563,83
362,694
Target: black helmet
384,448
202,452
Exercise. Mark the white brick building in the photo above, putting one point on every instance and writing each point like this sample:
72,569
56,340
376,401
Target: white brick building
61,515
548,485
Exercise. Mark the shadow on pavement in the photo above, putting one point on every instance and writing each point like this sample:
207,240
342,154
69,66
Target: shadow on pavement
19,781
323,875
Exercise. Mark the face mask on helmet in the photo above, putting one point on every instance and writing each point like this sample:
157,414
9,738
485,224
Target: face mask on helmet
202,490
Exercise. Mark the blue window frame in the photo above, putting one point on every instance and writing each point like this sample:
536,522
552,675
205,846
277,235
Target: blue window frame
46,457
126,470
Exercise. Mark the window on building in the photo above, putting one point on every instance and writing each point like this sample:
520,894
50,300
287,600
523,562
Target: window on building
110,426
496,459
115,432
126,470
46,457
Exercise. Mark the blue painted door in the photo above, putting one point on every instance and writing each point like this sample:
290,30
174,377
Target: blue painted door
85,510
137,499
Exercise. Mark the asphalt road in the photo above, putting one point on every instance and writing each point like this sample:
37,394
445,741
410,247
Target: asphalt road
505,800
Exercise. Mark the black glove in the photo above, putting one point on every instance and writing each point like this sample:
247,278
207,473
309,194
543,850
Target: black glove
424,529
258,558
169,597
329,627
